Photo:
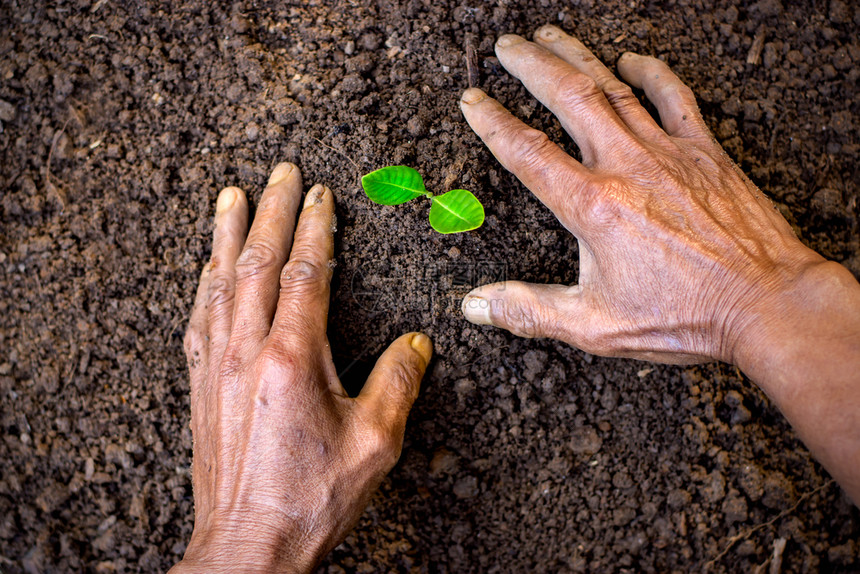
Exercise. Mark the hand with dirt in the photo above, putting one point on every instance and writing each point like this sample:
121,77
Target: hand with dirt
284,460
682,258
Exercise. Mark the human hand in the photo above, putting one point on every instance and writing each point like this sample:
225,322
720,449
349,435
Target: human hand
284,460
679,252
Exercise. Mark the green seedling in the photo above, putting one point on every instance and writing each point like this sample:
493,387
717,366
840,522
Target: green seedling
452,212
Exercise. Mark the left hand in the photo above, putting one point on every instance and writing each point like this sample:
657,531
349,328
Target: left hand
284,460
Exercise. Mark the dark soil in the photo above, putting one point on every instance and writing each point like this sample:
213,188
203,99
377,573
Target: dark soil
122,120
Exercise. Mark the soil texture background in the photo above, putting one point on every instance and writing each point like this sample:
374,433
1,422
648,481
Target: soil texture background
122,120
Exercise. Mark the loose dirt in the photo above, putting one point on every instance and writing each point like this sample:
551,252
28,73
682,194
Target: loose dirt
122,120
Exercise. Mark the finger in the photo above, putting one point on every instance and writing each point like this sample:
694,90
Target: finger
304,296
393,384
196,347
530,310
231,223
265,253
675,102
572,96
618,94
557,179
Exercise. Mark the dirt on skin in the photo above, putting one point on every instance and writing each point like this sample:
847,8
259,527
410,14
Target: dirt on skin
122,120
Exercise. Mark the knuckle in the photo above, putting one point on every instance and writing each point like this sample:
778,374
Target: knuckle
192,343
619,94
299,274
533,148
601,207
575,88
525,319
401,388
676,92
221,289
232,364
278,363
255,258
380,444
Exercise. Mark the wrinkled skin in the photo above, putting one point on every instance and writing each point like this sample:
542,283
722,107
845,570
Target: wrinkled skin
284,461
682,259
675,242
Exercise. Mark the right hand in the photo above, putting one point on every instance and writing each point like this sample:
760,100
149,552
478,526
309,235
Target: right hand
682,258
679,251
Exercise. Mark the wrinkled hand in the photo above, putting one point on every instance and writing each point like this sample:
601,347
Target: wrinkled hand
284,460
679,252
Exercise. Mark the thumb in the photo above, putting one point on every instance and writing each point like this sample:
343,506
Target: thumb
528,309
393,384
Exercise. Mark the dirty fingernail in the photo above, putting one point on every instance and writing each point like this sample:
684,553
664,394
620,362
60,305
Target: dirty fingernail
549,33
509,40
315,195
472,96
226,199
477,310
280,173
422,344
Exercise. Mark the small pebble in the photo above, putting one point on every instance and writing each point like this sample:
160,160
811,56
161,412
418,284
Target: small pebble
466,487
7,111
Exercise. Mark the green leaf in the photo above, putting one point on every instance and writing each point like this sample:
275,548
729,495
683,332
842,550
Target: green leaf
393,185
456,211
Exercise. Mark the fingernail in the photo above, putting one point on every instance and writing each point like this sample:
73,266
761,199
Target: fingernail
280,173
549,33
315,195
422,344
226,199
472,96
477,310
509,40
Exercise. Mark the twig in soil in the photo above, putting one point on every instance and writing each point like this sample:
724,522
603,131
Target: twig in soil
49,185
471,62
325,145
773,564
750,531
776,559
754,55
454,170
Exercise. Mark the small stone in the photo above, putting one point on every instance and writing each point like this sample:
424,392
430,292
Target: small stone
370,41
416,126
352,84
678,499
464,387
715,489
768,8
839,13
828,203
609,398
622,480
752,111
240,24
7,111
466,487
585,440
443,462
349,47
778,491
735,508
252,131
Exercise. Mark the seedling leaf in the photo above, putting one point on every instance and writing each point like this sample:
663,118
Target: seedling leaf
456,211
393,185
